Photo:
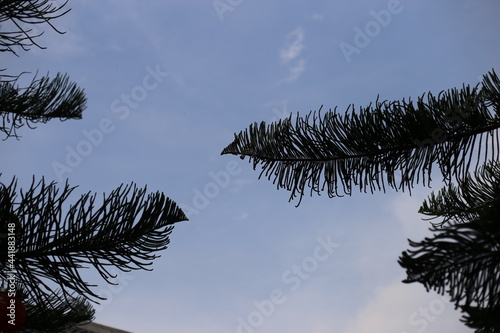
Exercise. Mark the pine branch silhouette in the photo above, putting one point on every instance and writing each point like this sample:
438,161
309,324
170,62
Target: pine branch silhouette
44,99
462,259
19,15
55,242
394,144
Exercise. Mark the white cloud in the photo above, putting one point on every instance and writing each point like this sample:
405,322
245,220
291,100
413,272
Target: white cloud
292,51
243,216
318,17
401,308
294,45
405,211
294,72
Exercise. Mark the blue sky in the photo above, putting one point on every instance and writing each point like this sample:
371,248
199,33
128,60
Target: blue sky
169,82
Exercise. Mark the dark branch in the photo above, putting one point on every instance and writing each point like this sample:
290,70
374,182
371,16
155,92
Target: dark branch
463,257
390,143
44,99
18,13
54,242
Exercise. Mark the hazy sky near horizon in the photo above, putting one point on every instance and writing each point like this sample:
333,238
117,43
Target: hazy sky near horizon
168,84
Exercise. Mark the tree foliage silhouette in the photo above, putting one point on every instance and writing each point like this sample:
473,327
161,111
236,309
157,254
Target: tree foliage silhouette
463,257
44,98
57,314
389,143
54,241
20,17
397,144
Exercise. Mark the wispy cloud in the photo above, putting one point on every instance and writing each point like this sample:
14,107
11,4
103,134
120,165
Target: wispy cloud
290,55
294,45
318,17
295,71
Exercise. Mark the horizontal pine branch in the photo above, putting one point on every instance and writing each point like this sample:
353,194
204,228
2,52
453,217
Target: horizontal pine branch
393,144
54,242
44,99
